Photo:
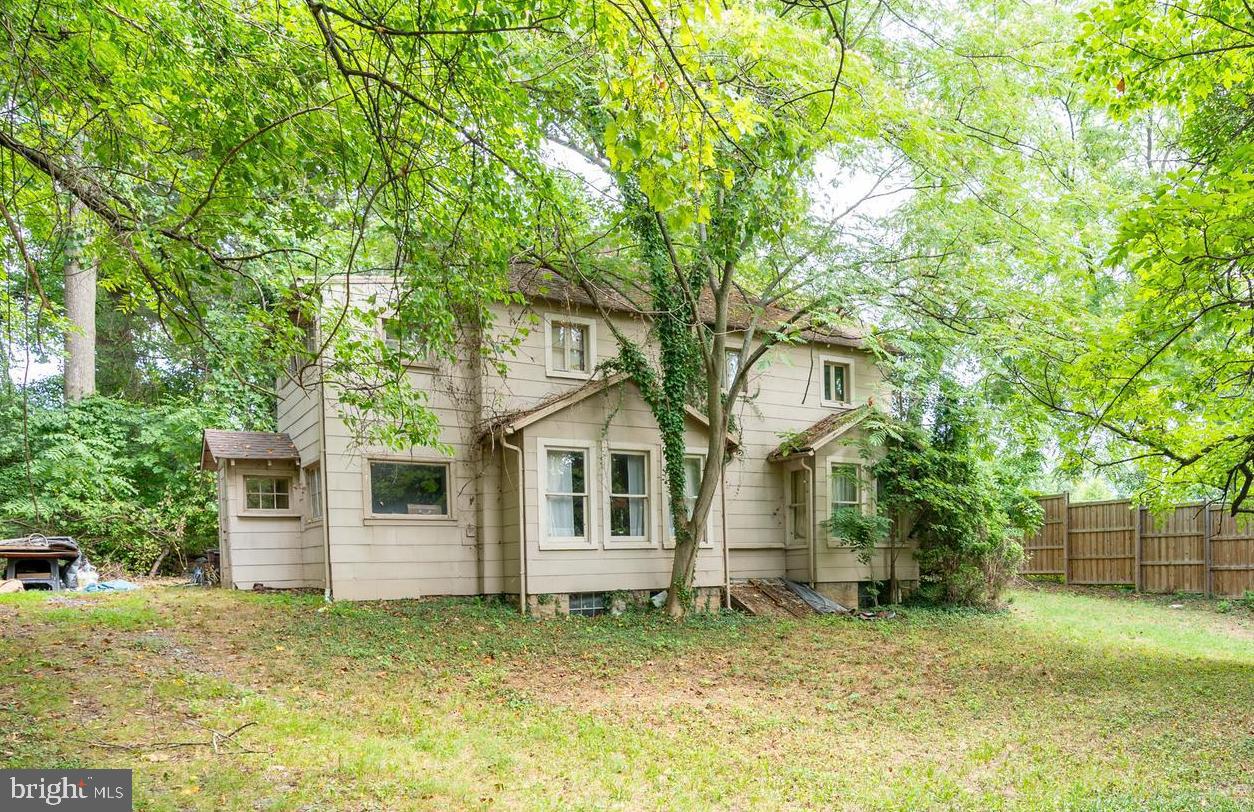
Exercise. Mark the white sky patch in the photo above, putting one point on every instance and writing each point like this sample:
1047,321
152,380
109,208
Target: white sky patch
30,369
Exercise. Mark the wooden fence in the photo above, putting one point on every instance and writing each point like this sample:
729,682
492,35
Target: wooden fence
1192,548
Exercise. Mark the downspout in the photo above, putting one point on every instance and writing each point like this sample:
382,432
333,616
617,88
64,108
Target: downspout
327,592
813,534
722,517
522,527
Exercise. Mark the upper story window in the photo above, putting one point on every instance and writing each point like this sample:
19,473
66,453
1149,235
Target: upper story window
566,493
837,381
408,489
570,346
731,365
267,493
629,495
406,341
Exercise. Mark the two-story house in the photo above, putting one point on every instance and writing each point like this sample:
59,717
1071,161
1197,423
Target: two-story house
553,493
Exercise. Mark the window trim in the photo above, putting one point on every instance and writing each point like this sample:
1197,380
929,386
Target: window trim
367,499
861,504
706,543
652,485
590,478
847,362
314,467
590,347
278,513
791,541
427,362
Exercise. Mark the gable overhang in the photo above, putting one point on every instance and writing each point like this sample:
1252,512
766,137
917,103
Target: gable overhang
809,448
515,422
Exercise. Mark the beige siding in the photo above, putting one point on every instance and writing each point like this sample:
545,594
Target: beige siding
614,419
262,549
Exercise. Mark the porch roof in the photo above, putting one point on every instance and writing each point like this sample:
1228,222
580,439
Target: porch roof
809,440
245,445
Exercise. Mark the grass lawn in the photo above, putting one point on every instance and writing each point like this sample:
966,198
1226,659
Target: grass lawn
1069,701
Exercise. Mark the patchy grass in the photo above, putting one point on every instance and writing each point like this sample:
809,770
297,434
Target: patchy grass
1068,701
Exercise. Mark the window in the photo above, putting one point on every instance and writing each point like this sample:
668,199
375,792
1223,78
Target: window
694,464
846,488
313,492
629,495
309,344
267,493
731,365
406,341
837,382
570,346
566,493
798,506
587,604
418,489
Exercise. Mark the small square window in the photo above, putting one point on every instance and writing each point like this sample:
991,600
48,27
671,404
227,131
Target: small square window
835,382
587,604
267,493
409,489
570,347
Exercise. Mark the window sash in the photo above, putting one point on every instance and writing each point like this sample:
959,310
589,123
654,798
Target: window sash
846,485
313,484
267,493
569,346
835,386
417,504
405,342
629,495
566,493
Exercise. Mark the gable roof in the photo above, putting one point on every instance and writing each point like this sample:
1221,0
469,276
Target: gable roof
628,297
511,422
245,445
809,440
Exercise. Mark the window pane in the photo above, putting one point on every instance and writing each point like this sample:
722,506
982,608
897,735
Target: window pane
406,488
566,472
834,383
578,347
266,493
692,476
557,346
845,484
732,358
627,516
566,516
627,474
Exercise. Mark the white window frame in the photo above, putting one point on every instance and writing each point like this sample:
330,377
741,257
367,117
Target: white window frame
590,480
861,504
590,346
847,362
427,361
705,543
652,485
791,538
728,352
288,511
314,493
367,497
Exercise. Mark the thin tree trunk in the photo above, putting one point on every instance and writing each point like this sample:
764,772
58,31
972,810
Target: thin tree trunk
80,310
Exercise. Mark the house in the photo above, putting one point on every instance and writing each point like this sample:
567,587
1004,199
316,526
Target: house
553,492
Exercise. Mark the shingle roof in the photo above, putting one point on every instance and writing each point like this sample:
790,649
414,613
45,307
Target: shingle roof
245,445
819,434
629,297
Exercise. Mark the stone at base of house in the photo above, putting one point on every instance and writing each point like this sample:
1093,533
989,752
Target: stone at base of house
846,592
705,599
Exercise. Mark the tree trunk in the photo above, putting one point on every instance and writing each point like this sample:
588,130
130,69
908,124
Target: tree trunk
80,310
